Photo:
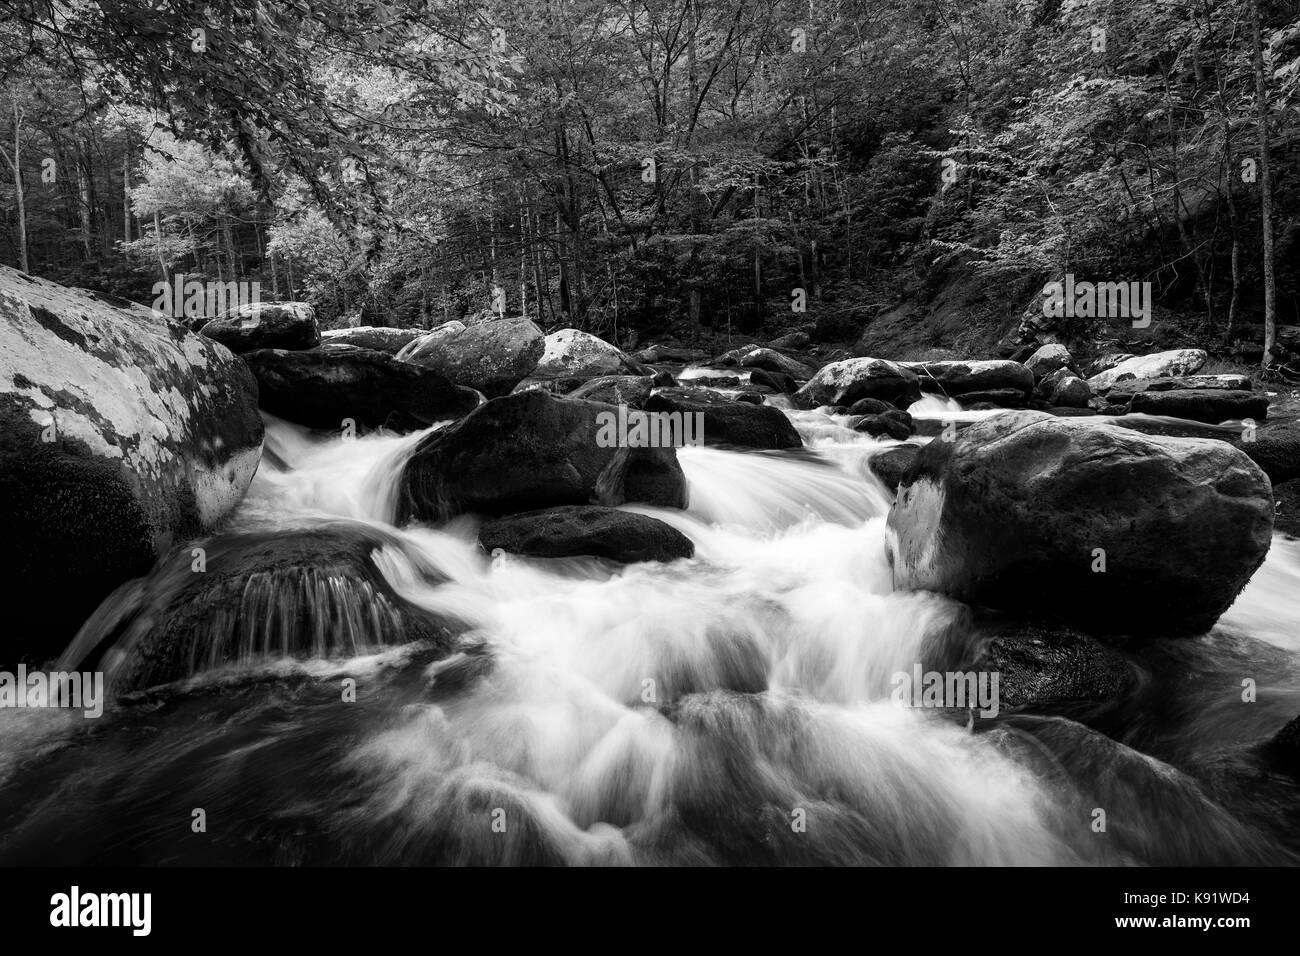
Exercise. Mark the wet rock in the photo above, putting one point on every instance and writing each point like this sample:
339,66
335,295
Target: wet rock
750,398
1201,405
586,530
491,357
1071,392
999,397
121,432
894,424
1274,447
671,355
630,390
1019,510
846,381
736,355
776,381
1041,664
266,325
1286,514
870,406
729,423
312,593
530,450
890,464
372,389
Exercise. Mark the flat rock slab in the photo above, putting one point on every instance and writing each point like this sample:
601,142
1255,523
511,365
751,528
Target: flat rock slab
1201,405
587,530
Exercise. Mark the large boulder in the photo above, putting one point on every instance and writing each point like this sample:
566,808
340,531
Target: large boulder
671,355
121,432
728,422
586,530
954,378
372,389
491,357
1201,404
1229,383
1069,521
1049,359
1156,365
773,381
630,390
377,337
771,360
312,593
573,354
1275,448
531,450
266,325
846,381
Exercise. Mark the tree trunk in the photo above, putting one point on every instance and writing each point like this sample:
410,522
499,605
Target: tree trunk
16,164
1266,192
126,192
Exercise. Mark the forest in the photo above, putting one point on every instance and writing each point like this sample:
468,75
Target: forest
909,170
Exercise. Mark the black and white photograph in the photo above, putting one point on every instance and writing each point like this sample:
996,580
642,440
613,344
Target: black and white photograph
735,434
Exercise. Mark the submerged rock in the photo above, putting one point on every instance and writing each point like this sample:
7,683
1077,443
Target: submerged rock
266,325
587,530
1092,525
891,464
530,450
491,357
373,389
121,432
311,593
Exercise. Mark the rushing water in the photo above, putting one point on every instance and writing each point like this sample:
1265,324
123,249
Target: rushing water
731,708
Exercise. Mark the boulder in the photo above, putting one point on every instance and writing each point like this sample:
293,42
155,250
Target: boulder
266,325
750,397
630,390
893,424
1156,365
955,378
1040,664
1071,392
586,530
571,354
372,389
313,593
778,382
121,432
1201,404
1049,359
794,341
772,361
1024,510
870,406
530,450
736,356
1274,447
1106,362
1232,383
377,337
728,422
492,356
995,397
846,381
670,355
890,464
